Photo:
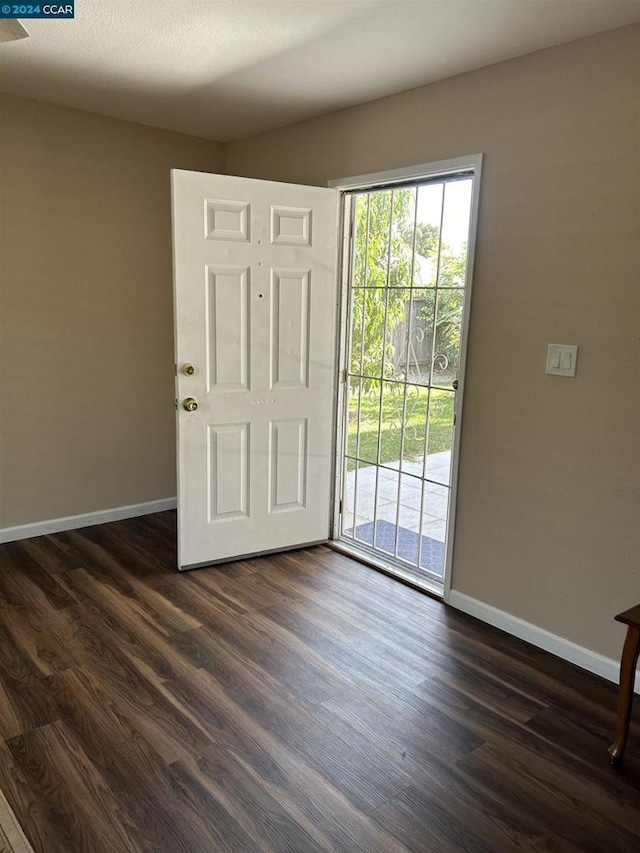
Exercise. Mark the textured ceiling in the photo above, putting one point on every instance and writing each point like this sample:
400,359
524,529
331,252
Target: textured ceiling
225,69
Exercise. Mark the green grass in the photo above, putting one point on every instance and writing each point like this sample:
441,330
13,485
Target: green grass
440,424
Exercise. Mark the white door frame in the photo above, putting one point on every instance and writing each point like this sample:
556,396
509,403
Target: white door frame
376,180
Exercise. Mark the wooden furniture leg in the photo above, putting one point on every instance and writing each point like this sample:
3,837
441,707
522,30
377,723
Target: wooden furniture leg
630,652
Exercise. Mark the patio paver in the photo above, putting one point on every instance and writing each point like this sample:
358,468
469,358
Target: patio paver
436,495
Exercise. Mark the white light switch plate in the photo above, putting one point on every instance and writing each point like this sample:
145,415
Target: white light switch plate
562,359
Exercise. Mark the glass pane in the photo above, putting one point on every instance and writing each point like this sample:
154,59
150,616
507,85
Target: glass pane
448,330
398,309
432,553
420,335
361,204
410,497
434,511
369,421
455,233
404,208
352,420
409,519
428,219
363,504
375,305
348,499
386,505
392,423
357,308
377,249
440,438
415,423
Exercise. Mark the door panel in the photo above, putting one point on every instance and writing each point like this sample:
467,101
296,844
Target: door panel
290,304
228,332
288,464
229,470
255,313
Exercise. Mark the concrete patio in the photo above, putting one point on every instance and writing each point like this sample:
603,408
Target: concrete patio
436,495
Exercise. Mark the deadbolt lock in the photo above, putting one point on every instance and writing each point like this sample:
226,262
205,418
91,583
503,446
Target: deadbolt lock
190,404
188,370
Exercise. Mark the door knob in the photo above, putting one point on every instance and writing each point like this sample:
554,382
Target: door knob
454,384
190,404
188,369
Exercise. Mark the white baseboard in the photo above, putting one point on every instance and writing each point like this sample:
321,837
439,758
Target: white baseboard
73,522
585,658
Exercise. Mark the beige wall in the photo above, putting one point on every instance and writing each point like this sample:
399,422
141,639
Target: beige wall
86,340
548,512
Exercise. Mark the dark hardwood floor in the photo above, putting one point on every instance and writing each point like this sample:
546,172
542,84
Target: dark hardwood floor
298,702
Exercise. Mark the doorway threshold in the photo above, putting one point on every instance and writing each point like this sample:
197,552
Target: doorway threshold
387,567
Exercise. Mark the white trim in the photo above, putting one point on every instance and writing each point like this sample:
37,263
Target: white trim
409,173
179,477
452,509
585,658
342,317
342,329
87,519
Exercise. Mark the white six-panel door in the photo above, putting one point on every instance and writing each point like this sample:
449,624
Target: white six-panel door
255,315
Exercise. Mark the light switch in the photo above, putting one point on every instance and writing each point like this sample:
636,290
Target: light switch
562,359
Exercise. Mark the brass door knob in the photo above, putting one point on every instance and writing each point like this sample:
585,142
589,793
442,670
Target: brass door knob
188,370
190,404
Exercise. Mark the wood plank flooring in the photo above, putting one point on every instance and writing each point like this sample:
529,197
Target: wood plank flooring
298,702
